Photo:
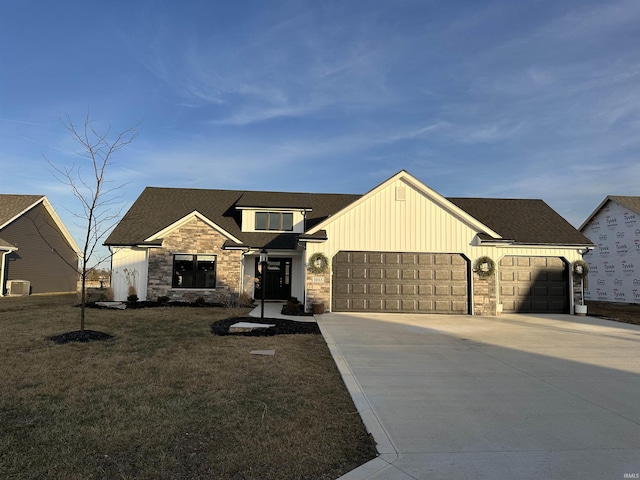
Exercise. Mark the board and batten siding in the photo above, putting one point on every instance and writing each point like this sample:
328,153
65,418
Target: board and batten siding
382,223
129,267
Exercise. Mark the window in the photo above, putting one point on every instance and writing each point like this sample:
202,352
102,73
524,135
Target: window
274,221
194,271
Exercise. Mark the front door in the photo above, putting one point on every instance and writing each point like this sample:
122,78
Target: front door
277,280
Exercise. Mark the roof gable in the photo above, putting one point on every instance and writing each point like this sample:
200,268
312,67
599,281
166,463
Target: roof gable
13,207
187,218
630,202
416,184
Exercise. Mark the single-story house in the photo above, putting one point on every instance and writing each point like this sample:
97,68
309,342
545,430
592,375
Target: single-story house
401,247
37,252
614,265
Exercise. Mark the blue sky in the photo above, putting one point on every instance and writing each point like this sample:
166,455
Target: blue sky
527,99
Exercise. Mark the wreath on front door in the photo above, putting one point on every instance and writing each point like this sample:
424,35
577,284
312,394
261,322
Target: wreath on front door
318,263
484,267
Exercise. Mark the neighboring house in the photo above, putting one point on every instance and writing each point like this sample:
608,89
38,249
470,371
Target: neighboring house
401,247
614,265
35,246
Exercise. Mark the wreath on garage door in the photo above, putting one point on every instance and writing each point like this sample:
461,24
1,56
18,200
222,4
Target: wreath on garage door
484,267
580,269
318,263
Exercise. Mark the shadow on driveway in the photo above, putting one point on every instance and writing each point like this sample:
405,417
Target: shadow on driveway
517,396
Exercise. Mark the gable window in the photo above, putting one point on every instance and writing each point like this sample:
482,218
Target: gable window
194,271
274,221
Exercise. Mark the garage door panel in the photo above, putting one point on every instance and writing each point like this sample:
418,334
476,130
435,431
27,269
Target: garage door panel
442,290
409,290
404,282
392,304
425,274
341,272
425,290
408,274
392,273
534,284
443,274
459,276
424,259
392,258
392,289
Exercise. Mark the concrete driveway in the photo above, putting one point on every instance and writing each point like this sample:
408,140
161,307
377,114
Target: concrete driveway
510,397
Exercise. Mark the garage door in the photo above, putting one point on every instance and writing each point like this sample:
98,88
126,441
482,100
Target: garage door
400,282
534,285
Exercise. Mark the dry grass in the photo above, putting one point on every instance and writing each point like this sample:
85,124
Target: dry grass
166,399
622,312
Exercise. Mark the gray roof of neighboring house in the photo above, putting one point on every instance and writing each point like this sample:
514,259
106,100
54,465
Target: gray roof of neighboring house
518,220
632,203
157,208
13,205
4,245
528,221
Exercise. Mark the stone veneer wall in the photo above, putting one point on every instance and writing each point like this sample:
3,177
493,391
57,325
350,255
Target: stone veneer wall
195,237
484,295
319,289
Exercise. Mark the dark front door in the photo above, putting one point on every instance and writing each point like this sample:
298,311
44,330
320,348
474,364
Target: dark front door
277,281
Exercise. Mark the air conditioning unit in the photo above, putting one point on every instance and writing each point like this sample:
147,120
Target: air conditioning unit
18,287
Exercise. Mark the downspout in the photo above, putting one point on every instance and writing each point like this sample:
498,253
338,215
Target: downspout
2,270
2,274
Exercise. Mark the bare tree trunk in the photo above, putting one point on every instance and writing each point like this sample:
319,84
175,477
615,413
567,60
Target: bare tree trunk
95,198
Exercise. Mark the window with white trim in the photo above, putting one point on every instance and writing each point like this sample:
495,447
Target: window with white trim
279,221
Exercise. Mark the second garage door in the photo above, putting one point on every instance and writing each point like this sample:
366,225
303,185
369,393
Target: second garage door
534,285
400,282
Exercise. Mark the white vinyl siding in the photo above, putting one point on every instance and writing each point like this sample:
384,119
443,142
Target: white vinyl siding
129,268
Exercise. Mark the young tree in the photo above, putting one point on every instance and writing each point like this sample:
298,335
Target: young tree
98,200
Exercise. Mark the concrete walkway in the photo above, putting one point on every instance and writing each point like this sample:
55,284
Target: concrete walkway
511,397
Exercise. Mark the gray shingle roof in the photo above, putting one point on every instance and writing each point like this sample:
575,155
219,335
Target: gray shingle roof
4,245
522,221
12,205
632,203
157,208
528,221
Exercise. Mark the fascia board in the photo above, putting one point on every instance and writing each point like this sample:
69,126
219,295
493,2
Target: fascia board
61,226
195,214
15,217
594,213
430,193
277,209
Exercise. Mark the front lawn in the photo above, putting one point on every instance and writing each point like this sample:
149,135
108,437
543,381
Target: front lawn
167,399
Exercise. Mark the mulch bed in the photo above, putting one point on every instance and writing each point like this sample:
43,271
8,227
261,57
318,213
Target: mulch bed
282,327
149,304
80,336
